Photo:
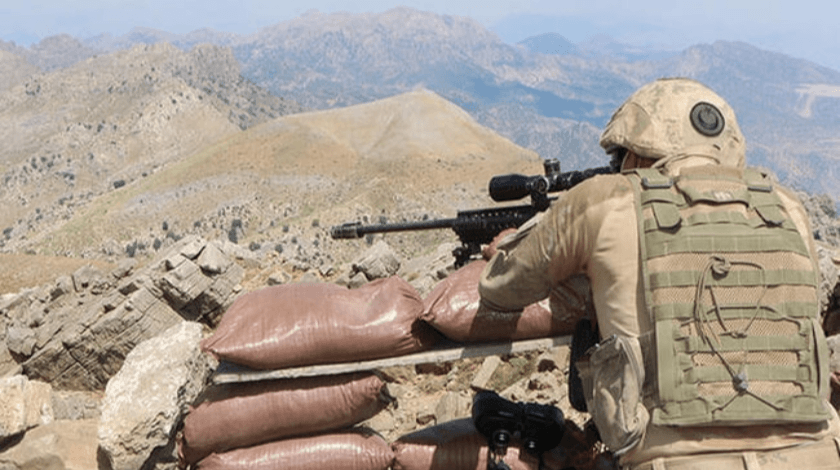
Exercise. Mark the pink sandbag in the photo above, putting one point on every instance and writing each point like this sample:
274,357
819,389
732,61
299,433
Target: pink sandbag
344,451
453,308
455,445
243,415
318,323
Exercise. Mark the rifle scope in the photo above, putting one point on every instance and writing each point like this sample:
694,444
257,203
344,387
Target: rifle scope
515,186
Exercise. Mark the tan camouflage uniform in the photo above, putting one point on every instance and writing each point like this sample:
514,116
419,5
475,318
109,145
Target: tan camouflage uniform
593,230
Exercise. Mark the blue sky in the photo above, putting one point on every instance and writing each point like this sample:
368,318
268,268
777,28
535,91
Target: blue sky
803,28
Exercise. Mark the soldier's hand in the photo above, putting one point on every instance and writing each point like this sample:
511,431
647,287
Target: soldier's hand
489,250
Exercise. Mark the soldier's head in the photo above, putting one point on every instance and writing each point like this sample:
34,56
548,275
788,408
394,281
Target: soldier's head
674,118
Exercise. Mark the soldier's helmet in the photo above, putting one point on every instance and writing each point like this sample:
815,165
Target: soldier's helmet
676,117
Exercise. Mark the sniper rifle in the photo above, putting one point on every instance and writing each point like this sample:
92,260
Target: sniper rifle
479,226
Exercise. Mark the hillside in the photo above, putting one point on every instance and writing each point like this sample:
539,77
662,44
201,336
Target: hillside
284,182
77,133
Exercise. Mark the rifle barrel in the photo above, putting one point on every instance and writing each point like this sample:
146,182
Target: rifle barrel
357,230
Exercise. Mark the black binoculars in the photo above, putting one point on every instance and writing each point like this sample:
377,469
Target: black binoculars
538,427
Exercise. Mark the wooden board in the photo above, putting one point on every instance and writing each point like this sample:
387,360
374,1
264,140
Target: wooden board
232,373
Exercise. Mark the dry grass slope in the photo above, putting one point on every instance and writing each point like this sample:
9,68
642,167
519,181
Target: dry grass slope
406,156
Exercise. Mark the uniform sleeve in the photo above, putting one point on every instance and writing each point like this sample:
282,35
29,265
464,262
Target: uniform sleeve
548,249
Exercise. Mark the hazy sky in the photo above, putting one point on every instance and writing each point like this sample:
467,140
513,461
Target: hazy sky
801,28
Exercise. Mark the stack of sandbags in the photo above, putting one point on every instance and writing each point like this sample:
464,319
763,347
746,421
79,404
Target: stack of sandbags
298,423
277,420
320,323
453,308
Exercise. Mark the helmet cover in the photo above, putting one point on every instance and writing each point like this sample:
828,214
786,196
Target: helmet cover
676,117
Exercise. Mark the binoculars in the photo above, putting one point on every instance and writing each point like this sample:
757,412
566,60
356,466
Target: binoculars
538,427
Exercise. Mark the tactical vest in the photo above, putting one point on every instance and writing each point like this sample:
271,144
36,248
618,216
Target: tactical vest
731,289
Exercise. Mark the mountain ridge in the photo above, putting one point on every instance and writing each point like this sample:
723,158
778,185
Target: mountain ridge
156,104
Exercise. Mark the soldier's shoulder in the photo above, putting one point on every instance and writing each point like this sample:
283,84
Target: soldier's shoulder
610,185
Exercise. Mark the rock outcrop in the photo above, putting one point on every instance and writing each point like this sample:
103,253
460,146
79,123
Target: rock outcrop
76,333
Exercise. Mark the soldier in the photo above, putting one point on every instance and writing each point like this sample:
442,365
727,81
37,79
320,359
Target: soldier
704,281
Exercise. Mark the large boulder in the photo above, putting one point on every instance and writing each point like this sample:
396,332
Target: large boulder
24,404
146,399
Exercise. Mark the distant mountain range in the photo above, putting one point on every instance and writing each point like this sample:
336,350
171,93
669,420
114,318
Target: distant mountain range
545,93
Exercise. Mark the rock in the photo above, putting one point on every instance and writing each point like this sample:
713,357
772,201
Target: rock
20,340
142,406
8,365
124,268
482,377
24,404
278,278
351,280
200,290
424,272
425,410
69,405
83,340
212,260
540,387
191,247
377,262
830,275
60,445
63,285
309,276
88,353
834,353
87,277
555,359
834,368
821,210
452,406
183,282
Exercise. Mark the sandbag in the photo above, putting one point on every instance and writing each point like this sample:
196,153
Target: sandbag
454,445
343,451
453,308
243,415
319,323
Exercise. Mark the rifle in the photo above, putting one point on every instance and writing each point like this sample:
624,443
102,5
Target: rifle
479,226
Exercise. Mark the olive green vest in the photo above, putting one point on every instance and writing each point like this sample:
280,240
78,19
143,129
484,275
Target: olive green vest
731,289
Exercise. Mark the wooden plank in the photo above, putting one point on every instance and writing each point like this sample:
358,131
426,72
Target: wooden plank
232,373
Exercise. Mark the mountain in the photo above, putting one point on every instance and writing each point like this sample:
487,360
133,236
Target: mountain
553,103
14,69
786,106
53,52
788,109
550,43
403,155
335,60
411,156
77,133
600,47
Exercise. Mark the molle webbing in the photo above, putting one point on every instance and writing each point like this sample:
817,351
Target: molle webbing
732,291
